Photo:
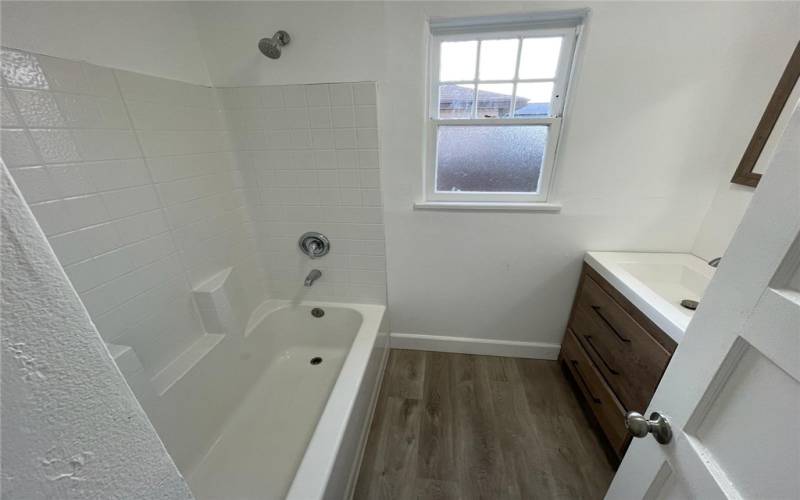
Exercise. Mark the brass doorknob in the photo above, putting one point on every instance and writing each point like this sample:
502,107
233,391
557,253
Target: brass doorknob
657,425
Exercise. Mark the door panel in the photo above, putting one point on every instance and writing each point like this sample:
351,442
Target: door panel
751,420
732,390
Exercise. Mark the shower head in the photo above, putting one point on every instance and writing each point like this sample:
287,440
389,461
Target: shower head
271,47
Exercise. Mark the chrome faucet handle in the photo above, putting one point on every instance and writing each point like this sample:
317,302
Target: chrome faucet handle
314,244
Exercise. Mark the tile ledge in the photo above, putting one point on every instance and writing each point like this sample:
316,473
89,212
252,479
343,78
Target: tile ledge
493,206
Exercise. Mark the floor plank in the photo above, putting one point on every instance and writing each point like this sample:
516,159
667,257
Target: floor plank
406,370
437,445
462,426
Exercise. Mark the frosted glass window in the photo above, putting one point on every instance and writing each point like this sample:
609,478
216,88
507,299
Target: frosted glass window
495,109
480,158
539,58
494,100
533,99
456,101
458,61
498,59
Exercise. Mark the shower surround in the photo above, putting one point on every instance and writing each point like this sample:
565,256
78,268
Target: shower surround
149,189
308,156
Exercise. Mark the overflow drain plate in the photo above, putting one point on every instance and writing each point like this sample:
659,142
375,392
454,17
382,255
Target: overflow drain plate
315,360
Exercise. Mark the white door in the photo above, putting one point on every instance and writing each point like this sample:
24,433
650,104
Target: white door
732,389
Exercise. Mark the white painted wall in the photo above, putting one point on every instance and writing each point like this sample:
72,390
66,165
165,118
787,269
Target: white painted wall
723,217
71,426
154,38
666,98
331,41
731,200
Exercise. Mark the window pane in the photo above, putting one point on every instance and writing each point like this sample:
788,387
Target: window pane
539,58
533,99
494,158
457,61
456,101
498,59
494,100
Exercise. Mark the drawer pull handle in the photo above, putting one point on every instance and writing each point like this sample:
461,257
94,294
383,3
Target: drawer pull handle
598,311
583,382
594,348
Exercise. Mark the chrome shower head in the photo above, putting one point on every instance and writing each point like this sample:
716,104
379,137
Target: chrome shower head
271,47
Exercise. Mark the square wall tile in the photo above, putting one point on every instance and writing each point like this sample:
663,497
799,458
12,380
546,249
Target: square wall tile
318,95
17,149
21,70
367,138
366,117
344,138
38,108
101,81
8,116
364,93
319,117
368,159
64,75
346,159
80,111
296,117
294,95
343,117
35,184
341,94
322,139
272,97
56,145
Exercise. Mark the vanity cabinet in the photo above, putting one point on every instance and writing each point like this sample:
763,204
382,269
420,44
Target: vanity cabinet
614,354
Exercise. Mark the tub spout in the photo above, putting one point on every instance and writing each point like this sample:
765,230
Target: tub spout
313,276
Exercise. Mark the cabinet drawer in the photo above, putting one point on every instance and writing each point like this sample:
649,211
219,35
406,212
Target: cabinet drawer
605,406
630,360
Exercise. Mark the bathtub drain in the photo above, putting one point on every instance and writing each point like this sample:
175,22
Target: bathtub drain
316,360
318,312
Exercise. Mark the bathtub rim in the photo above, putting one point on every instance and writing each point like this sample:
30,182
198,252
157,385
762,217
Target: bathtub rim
312,476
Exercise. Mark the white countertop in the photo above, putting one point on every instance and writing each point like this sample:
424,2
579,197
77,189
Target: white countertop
656,283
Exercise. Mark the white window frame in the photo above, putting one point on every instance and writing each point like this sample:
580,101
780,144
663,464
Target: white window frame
553,122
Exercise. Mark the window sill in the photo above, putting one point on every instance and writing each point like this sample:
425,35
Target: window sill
488,206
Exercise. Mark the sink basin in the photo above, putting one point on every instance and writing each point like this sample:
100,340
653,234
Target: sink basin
674,282
656,283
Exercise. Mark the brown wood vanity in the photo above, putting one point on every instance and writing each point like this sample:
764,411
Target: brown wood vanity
614,355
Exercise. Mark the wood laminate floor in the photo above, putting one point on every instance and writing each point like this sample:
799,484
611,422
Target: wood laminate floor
457,426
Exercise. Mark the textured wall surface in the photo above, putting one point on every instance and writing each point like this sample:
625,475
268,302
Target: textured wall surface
71,426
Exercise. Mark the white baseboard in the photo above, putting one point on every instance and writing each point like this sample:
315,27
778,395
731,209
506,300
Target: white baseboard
464,345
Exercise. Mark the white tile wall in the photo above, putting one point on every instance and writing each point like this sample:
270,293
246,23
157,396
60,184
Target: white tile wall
134,181
308,156
145,187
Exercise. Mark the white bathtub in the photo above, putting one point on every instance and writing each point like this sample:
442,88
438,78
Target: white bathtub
299,431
